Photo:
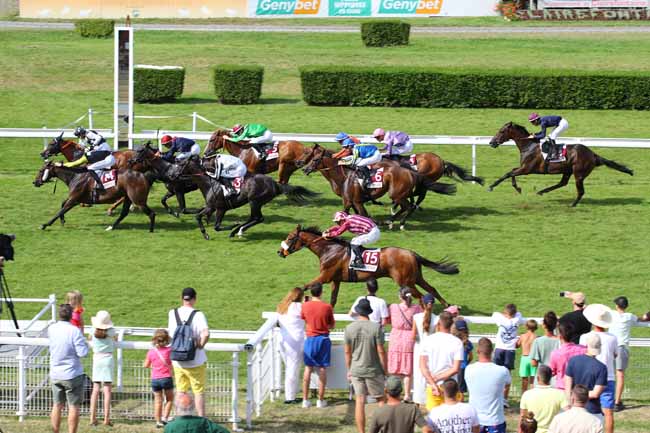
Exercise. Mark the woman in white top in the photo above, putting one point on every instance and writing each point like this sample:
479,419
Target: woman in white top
419,332
292,331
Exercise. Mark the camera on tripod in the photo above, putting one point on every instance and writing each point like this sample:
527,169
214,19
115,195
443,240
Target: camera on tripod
7,253
6,249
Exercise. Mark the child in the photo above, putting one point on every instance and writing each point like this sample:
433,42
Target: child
103,342
504,353
75,299
461,331
526,370
158,359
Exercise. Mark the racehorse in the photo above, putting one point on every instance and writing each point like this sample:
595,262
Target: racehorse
403,266
288,153
580,161
256,190
400,183
131,185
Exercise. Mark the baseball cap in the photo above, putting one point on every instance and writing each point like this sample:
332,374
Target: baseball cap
577,297
460,325
453,309
428,299
189,294
593,344
394,385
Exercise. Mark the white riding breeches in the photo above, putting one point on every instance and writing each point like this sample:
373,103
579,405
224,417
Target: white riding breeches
232,171
195,150
104,164
373,159
267,137
371,237
398,150
563,126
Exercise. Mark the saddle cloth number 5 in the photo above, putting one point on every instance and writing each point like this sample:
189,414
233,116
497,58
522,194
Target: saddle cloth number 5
371,258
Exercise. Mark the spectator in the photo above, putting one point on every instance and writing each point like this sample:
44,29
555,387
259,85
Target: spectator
423,324
528,423
547,343
621,327
453,416
461,331
158,359
365,360
576,318
75,299
440,359
319,319
486,383
292,332
586,370
102,341
67,346
379,309
397,416
543,400
400,347
560,356
454,310
600,316
576,419
526,369
506,344
185,420
191,374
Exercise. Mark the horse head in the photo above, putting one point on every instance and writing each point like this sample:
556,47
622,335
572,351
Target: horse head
314,160
44,174
53,147
216,141
143,155
509,131
292,243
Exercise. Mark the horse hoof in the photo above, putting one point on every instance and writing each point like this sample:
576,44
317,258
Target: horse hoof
393,212
109,213
43,227
109,228
402,227
490,189
519,190
390,226
540,193
206,236
240,234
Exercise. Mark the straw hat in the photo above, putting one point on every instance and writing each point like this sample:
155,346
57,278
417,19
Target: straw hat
599,315
102,320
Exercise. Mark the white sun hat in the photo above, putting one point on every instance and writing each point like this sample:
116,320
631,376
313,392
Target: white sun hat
599,315
102,320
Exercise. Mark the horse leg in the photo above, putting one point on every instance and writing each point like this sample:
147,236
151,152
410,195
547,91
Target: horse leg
199,220
514,185
581,190
511,173
182,206
563,182
402,208
220,213
408,213
65,207
152,216
335,292
163,201
126,208
420,281
62,217
111,209
255,218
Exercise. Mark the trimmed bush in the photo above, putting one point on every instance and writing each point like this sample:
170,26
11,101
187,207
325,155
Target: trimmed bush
385,33
421,87
238,84
95,28
157,83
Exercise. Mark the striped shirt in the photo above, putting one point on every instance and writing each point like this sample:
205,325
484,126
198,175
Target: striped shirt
356,224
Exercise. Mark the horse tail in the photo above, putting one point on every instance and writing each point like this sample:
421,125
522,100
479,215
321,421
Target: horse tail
451,169
613,164
296,194
439,187
443,266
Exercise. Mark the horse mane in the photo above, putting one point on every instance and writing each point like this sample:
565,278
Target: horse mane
520,128
316,231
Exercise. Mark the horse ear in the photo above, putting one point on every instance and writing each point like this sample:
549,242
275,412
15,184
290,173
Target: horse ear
60,137
298,228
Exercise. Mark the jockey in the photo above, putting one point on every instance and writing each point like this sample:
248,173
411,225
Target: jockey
396,142
363,155
342,136
186,148
227,167
558,122
366,230
255,134
98,155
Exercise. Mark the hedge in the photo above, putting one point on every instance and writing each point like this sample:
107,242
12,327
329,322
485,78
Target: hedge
420,87
157,83
385,33
95,28
237,84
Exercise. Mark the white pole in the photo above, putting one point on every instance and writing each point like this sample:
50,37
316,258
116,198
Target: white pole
194,122
53,306
278,363
273,366
131,118
44,140
474,159
120,359
235,394
22,386
258,373
116,89
90,118
249,389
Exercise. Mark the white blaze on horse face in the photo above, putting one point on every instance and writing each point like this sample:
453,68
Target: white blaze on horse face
284,246
46,175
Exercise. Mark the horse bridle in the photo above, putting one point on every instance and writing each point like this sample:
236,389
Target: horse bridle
289,248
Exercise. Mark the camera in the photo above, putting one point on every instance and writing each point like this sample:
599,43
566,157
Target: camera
562,294
6,250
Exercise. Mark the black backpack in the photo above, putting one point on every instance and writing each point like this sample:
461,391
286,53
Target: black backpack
183,345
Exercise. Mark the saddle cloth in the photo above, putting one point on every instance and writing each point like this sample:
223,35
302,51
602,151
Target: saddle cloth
272,152
237,183
108,178
370,259
376,178
413,161
560,158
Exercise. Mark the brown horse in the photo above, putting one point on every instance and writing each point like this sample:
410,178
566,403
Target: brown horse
403,266
400,183
288,153
131,185
580,161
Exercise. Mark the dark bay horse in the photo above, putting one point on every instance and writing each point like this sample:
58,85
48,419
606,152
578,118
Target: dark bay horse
289,152
131,185
580,161
400,183
403,266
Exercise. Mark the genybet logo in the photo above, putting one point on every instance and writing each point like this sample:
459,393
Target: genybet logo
424,7
288,7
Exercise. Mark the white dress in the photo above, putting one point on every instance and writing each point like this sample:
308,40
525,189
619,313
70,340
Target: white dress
419,383
292,331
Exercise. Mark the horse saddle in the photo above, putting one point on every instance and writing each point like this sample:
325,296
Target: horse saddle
108,178
376,178
231,186
370,258
547,147
406,161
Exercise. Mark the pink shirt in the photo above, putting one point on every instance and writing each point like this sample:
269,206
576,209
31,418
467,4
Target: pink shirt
560,359
77,318
356,224
160,368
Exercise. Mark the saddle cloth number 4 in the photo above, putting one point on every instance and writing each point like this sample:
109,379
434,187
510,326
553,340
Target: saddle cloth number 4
371,258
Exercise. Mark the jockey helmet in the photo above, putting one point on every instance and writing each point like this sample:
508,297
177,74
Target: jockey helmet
348,142
341,136
79,131
237,128
166,140
533,117
340,216
379,132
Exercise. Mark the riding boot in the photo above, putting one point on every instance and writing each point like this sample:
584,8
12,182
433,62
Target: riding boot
358,256
227,182
99,187
260,151
365,175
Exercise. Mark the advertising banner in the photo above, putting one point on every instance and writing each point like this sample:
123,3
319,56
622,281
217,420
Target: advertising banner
350,8
298,8
595,4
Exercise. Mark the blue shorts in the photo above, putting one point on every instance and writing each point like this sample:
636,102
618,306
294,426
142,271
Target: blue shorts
317,351
505,358
162,384
501,428
607,397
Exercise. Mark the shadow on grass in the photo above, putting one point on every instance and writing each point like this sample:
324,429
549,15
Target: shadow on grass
197,101
611,201
279,101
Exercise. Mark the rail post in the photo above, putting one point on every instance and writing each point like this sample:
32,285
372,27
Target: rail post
474,157
235,394
120,359
44,139
90,118
249,388
277,377
22,385
53,306
258,385
194,121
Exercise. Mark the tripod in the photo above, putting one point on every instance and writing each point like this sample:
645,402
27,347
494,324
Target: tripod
5,295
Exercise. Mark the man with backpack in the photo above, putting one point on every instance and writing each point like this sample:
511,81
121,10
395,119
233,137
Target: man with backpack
190,332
